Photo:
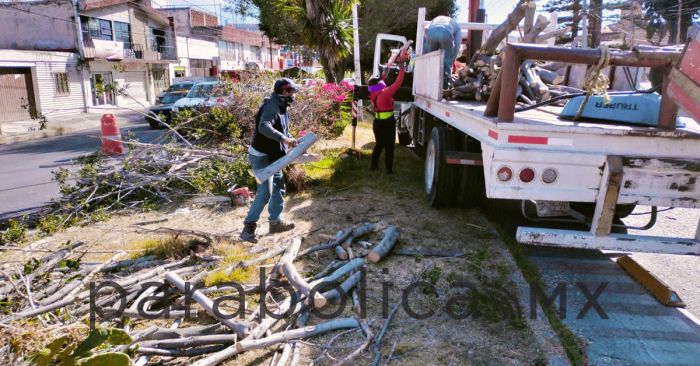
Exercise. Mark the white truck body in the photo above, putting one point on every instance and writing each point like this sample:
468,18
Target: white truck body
602,163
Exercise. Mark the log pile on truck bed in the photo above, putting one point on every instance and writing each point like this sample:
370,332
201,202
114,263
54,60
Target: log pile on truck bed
147,308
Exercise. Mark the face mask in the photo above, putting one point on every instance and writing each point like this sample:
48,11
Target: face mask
288,99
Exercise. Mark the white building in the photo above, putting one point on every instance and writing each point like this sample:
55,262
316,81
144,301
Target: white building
130,45
40,71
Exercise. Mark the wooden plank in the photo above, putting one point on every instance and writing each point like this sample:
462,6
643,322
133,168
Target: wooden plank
305,143
607,197
653,284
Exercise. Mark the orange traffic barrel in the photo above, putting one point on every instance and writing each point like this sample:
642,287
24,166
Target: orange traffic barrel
111,137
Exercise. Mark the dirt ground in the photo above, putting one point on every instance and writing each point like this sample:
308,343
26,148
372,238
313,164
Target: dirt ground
344,192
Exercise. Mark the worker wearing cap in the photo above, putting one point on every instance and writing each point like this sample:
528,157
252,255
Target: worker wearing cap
270,142
384,125
443,33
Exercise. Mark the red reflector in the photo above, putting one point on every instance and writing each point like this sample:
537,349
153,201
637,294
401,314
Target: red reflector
527,175
504,174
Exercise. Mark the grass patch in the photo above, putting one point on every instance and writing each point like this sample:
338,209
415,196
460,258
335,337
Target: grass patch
338,171
163,248
232,255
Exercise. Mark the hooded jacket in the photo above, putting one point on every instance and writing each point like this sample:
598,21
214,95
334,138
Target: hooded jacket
271,127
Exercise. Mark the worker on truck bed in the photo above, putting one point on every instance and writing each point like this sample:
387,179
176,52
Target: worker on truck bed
270,143
443,33
384,126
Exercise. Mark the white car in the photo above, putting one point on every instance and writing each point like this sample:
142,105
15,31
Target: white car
204,94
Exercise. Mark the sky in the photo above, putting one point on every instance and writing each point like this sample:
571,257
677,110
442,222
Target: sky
496,10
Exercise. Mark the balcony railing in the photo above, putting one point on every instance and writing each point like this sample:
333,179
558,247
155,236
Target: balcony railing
132,51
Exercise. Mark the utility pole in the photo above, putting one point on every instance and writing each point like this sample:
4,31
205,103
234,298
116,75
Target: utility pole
680,22
584,24
356,55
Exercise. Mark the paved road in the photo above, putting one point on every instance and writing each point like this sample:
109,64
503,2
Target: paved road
25,168
636,329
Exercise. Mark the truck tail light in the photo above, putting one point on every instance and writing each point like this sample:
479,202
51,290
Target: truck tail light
504,174
549,175
527,175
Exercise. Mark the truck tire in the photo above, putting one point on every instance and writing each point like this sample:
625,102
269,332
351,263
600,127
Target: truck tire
438,175
472,188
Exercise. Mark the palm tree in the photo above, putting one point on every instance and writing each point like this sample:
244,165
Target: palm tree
326,26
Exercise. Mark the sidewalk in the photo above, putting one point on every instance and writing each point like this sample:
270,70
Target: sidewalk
21,131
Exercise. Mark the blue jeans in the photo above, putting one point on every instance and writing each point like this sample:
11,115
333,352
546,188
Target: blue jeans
269,193
440,37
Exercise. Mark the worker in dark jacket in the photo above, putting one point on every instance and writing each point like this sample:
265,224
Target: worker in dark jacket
384,125
270,142
443,33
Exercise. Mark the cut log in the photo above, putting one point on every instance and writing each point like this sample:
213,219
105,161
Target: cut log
290,254
347,285
240,327
330,268
341,253
540,25
340,237
304,143
363,229
549,77
249,344
302,286
349,267
502,31
391,235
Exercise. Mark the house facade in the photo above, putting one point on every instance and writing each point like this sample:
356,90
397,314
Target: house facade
128,44
40,68
196,35
62,57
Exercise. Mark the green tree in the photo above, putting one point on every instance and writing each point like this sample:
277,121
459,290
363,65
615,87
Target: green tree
375,16
397,17
322,25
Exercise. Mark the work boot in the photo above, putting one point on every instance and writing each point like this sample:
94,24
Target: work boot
280,226
248,233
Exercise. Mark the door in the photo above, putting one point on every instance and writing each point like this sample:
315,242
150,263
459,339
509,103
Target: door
16,94
102,88
135,83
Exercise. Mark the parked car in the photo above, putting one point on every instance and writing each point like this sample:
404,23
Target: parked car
205,94
181,87
164,106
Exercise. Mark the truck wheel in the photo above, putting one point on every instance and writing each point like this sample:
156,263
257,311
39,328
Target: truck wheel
439,180
472,189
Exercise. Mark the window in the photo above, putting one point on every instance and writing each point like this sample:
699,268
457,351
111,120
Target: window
157,39
96,28
122,33
60,82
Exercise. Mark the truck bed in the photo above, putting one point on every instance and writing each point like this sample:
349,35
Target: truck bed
542,129
546,118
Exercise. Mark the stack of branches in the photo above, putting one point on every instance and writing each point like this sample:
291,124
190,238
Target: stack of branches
152,173
128,299
475,79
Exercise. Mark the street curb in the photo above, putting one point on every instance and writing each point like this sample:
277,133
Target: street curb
546,337
51,131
